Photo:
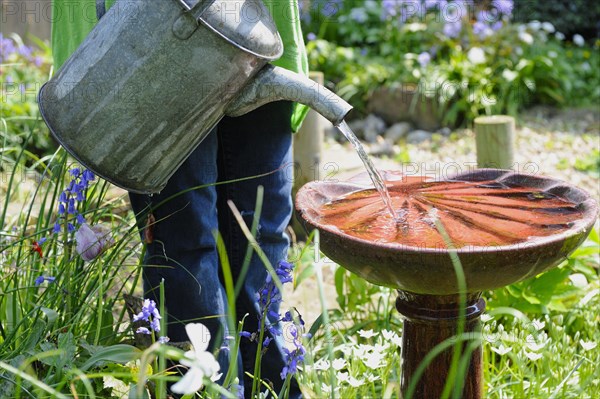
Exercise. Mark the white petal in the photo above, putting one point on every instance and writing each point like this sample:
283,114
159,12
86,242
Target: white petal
199,336
190,383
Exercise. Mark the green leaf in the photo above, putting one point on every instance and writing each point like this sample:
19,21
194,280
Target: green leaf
304,274
339,287
119,353
51,314
133,392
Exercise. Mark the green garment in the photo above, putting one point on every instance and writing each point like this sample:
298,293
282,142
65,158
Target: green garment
73,20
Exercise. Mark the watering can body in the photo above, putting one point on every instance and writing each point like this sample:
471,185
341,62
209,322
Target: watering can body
153,78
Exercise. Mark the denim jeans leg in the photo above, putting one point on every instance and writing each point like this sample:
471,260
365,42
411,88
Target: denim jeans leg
183,249
250,145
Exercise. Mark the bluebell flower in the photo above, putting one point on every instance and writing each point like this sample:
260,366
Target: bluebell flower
39,280
56,228
359,15
148,310
389,8
424,59
163,340
311,36
452,29
74,193
267,341
143,330
504,6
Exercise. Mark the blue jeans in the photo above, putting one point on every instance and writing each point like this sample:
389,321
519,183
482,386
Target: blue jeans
183,249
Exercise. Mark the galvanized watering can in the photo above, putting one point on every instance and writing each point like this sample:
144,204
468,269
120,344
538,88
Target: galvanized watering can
154,77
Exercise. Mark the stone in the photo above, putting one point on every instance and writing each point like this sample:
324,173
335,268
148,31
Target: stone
404,103
382,147
445,131
374,126
397,131
418,136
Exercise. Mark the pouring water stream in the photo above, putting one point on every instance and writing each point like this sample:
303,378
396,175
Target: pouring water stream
373,173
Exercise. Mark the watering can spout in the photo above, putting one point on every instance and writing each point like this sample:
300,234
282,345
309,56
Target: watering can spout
274,83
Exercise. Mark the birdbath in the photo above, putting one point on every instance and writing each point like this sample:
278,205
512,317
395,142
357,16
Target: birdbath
502,226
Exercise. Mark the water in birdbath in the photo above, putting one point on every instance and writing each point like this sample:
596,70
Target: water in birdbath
375,176
474,213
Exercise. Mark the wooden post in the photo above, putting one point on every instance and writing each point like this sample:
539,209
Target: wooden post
495,138
308,148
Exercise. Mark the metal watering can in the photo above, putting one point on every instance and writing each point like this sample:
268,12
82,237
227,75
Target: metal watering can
154,77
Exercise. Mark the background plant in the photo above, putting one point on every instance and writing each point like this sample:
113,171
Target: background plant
466,55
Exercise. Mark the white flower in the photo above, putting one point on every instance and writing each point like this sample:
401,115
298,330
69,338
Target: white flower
509,75
589,345
342,377
373,360
578,40
476,55
338,364
501,350
367,333
538,324
322,364
392,337
354,382
535,25
526,37
559,36
533,356
548,27
200,362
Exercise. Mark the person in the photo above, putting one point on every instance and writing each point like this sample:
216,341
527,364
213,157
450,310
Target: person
180,233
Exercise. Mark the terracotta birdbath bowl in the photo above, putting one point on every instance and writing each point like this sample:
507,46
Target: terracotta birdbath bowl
501,226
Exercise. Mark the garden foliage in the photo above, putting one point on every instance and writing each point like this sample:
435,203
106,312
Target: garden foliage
467,56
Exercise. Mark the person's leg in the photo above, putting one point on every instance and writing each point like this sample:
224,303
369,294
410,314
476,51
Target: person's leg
182,251
250,145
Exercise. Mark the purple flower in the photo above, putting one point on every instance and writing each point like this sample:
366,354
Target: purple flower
452,29
7,48
429,4
247,334
311,36
150,314
503,6
389,8
73,194
163,340
143,330
331,8
424,59
92,241
39,280
359,15
482,30
149,309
